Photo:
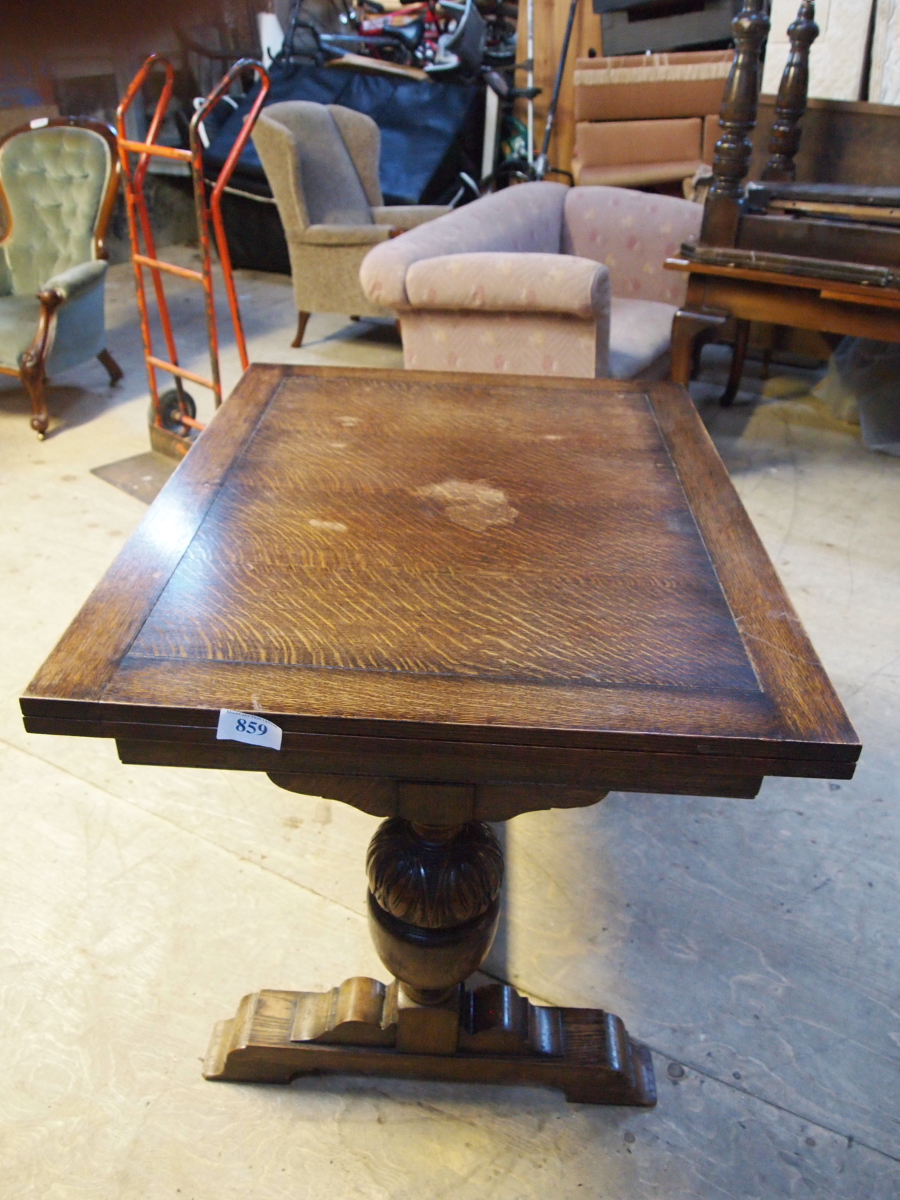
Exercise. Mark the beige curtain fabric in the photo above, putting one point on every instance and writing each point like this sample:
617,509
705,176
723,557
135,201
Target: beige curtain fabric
838,54
884,79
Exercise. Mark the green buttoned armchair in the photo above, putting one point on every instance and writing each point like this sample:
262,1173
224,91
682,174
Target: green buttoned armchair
58,183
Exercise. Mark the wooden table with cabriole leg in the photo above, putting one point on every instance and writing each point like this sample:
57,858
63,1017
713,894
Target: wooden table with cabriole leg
459,598
716,292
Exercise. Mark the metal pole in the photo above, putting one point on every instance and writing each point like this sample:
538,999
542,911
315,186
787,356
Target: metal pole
542,162
529,55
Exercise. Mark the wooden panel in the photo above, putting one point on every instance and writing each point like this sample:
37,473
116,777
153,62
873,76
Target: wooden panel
842,142
841,241
647,777
87,655
796,306
455,578
594,571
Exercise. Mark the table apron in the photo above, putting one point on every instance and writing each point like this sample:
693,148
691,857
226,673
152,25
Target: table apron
797,307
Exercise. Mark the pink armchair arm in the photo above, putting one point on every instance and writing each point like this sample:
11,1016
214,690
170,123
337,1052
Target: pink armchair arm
502,282
523,219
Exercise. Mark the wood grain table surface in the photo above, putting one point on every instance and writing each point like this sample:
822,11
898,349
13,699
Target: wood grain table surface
546,583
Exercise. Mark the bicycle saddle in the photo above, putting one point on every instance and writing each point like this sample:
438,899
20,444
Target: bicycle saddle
411,35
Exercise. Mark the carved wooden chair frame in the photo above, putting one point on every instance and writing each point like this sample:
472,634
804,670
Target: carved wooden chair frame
31,370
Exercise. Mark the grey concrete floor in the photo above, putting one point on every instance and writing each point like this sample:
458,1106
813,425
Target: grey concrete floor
752,944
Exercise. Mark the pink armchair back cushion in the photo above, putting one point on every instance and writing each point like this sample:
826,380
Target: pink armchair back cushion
631,233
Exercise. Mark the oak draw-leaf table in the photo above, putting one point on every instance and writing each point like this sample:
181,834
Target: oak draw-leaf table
458,598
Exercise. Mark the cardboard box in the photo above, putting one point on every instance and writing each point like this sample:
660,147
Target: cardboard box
647,86
609,143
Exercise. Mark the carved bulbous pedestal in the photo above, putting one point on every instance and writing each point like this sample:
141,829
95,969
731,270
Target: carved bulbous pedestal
433,902
433,908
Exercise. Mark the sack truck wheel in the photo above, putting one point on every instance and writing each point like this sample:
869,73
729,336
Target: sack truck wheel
170,412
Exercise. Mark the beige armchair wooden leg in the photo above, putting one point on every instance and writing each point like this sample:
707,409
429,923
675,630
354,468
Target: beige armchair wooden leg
113,370
302,318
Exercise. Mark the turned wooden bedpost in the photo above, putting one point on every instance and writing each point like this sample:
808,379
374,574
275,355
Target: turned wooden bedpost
737,117
790,104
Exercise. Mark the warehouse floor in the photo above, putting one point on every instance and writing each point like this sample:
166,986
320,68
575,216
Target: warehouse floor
753,945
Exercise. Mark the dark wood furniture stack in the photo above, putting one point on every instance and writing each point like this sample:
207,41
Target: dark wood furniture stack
822,256
461,597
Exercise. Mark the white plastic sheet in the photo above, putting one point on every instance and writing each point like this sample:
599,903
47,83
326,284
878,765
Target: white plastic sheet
862,385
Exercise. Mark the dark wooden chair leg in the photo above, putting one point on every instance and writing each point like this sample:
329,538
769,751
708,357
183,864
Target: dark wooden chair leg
790,104
741,338
34,380
737,118
32,362
302,318
113,370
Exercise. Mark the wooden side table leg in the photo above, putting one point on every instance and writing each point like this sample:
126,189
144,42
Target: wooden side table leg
690,332
433,911
741,338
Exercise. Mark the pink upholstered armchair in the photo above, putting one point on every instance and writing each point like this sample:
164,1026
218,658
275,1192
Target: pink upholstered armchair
539,279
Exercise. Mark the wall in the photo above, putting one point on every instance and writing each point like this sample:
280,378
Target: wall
837,57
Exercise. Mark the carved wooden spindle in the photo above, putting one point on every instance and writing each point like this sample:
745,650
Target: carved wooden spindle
737,118
433,903
790,104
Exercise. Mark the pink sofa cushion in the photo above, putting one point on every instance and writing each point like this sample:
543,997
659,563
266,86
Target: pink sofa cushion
632,233
503,282
639,335
526,219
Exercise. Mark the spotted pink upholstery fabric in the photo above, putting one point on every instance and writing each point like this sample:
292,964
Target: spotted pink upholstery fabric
525,219
631,233
509,284
500,282
639,335
503,343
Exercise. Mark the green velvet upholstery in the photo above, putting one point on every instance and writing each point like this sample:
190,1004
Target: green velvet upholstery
18,325
54,180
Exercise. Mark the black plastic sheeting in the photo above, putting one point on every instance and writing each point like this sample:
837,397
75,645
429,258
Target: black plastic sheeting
419,122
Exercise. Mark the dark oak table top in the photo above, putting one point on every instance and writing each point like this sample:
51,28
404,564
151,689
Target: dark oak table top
453,578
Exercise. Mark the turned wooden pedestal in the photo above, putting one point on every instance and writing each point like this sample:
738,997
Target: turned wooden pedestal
459,598
433,909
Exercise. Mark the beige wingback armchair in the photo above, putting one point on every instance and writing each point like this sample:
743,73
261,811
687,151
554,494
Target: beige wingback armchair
321,162
539,279
58,185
